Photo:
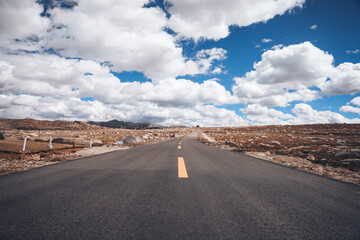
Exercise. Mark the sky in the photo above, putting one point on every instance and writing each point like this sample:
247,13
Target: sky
181,62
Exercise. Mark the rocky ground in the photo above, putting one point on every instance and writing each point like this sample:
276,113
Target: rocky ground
326,149
70,140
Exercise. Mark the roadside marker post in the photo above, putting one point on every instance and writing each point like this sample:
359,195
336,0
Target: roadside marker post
24,145
50,143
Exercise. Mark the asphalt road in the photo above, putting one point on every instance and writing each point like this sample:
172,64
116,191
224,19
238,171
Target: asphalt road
137,194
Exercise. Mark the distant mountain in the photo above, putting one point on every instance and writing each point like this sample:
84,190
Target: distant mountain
127,125
33,124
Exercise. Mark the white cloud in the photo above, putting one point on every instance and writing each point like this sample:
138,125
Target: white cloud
287,74
266,40
313,27
284,75
350,109
124,34
260,115
355,51
305,114
344,79
21,20
51,75
356,101
96,37
205,58
210,19
278,46
20,106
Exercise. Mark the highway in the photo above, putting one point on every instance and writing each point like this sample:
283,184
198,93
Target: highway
177,189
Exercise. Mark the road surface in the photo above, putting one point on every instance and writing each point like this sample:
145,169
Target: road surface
178,189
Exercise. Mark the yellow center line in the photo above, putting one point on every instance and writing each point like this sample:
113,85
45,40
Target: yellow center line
182,173
179,147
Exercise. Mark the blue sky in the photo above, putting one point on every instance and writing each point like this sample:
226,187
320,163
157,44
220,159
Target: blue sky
206,63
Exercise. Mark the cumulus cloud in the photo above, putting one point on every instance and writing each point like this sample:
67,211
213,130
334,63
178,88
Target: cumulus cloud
300,72
206,57
305,114
21,25
211,19
19,106
51,75
48,64
302,114
352,109
261,115
284,75
344,79
123,34
356,101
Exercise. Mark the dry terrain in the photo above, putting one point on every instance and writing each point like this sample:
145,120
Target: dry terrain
70,140
326,149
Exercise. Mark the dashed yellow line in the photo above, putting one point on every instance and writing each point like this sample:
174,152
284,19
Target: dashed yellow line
182,173
179,147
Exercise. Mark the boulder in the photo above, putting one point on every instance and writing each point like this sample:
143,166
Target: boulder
266,145
310,157
353,164
82,142
231,144
29,138
146,136
131,139
42,139
2,136
275,143
347,154
33,135
64,140
340,142
96,143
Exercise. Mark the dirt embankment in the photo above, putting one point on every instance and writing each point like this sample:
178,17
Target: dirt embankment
326,149
69,140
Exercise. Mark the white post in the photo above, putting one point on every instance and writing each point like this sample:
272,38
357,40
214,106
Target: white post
50,144
90,142
24,146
